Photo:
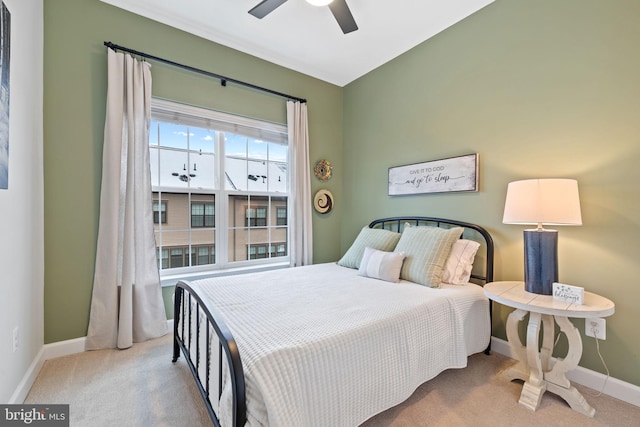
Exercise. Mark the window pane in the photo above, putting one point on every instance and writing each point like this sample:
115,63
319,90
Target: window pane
176,259
183,144
281,213
277,177
163,258
235,162
173,172
203,169
237,206
154,160
197,208
202,159
203,255
172,135
238,241
257,171
179,215
256,149
197,221
203,238
262,251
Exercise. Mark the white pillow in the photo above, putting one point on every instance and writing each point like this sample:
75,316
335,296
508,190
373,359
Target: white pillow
457,269
381,265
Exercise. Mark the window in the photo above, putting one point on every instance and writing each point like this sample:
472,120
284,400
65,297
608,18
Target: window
256,217
159,212
281,216
202,214
200,255
260,251
226,179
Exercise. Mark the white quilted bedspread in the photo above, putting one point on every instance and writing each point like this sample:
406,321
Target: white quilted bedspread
322,346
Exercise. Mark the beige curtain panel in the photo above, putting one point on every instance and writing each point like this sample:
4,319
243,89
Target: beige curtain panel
126,305
301,226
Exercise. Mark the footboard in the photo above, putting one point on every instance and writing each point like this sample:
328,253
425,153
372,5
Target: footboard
203,338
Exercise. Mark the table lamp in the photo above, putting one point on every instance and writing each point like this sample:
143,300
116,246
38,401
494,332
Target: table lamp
542,202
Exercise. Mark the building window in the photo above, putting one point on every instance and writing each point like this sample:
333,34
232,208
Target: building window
227,181
260,251
256,217
281,216
203,214
163,258
177,257
159,212
279,249
199,255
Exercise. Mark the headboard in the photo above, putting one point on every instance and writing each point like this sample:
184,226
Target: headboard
482,271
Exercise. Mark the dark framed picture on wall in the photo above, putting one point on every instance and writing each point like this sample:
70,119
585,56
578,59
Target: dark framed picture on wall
435,176
5,44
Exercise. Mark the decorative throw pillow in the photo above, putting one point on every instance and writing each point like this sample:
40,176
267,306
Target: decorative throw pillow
375,238
426,249
381,265
457,269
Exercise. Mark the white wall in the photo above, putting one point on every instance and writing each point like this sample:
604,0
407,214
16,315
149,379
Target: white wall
21,206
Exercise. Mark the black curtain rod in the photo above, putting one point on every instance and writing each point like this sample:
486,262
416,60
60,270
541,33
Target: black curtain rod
223,79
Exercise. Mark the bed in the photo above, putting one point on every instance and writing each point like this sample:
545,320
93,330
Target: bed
329,344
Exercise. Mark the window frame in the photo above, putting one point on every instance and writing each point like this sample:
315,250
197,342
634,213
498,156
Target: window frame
222,197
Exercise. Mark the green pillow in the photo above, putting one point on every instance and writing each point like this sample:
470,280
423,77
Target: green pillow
375,238
426,249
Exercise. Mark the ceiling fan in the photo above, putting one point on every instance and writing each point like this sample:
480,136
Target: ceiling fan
339,9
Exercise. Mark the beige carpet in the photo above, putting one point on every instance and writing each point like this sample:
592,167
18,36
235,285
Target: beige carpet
141,387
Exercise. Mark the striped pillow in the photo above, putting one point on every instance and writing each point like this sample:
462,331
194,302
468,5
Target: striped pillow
457,269
426,249
381,265
375,238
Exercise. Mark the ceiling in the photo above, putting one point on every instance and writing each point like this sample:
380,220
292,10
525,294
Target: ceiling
307,38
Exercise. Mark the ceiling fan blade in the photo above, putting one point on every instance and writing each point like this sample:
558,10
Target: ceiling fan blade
265,7
343,15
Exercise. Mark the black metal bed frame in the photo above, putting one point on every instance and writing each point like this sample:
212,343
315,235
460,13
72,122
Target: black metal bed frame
188,307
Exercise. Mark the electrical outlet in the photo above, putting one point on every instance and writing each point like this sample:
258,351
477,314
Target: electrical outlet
16,335
596,328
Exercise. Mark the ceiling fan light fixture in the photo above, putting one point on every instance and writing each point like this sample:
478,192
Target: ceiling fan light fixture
319,2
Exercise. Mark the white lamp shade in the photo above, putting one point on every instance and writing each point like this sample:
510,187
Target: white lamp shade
543,201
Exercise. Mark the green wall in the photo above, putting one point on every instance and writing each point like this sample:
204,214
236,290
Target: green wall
539,89
74,108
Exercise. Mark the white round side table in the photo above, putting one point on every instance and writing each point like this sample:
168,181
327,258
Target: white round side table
534,366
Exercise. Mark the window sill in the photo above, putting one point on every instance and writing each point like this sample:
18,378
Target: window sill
171,280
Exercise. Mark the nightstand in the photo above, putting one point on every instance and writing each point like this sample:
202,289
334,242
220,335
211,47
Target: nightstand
534,366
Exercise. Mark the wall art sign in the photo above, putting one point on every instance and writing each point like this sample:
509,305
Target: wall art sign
5,42
435,176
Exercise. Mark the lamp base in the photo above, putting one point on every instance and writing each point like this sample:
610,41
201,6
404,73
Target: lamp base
540,260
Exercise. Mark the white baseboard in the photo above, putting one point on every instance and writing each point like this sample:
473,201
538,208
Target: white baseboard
47,352
64,348
28,379
621,390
